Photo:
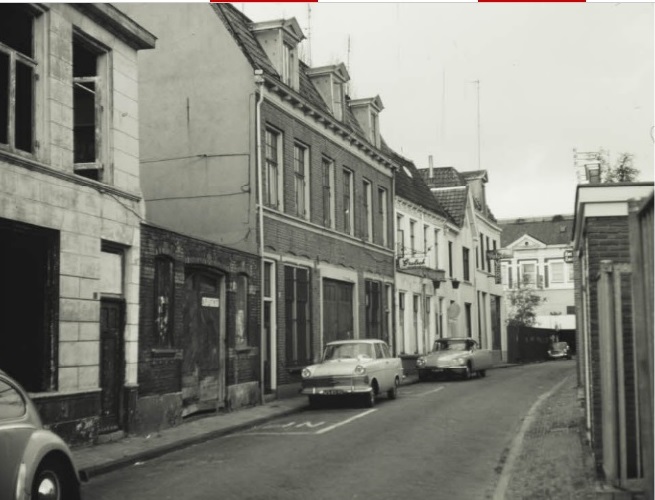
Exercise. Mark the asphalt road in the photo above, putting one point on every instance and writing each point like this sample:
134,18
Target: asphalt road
442,439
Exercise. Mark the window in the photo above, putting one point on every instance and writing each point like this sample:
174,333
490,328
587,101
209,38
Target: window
528,272
241,320
506,274
400,235
88,108
425,240
373,291
301,184
347,201
271,181
17,78
382,212
494,260
465,264
450,259
556,272
287,63
368,211
435,249
111,269
570,270
401,318
11,403
374,128
570,309
412,236
416,311
164,300
337,100
467,311
328,192
297,315
487,257
482,256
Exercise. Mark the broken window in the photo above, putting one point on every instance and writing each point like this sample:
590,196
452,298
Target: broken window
87,109
164,297
17,77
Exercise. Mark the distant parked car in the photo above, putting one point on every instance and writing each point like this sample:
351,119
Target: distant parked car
34,462
458,356
559,350
362,368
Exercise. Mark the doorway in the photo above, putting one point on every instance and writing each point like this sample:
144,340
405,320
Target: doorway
112,364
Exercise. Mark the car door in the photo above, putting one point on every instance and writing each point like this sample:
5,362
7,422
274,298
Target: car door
384,368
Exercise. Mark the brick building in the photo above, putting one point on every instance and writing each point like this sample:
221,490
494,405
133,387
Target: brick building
258,152
605,324
70,209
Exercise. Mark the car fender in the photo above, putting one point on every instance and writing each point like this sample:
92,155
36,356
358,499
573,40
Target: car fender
41,444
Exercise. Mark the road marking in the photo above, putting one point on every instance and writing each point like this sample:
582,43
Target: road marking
347,421
517,442
264,433
428,392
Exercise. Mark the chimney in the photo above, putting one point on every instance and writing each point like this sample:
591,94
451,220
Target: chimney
431,164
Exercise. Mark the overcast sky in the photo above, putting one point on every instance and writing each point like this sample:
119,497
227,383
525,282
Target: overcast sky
553,77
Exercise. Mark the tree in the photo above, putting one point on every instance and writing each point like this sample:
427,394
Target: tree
623,169
523,301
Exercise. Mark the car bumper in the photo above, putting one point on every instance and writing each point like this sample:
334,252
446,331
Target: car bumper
558,355
442,369
355,385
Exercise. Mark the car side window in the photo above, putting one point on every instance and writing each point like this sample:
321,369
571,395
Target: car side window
385,351
11,402
378,351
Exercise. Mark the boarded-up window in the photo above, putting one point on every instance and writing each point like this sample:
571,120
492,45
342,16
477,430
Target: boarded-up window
241,327
164,300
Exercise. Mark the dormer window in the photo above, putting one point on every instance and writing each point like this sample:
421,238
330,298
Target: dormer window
337,100
367,113
330,81
280,40
375,128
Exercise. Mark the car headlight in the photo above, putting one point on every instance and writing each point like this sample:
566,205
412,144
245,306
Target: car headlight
420,362
360,370
306,373
460,361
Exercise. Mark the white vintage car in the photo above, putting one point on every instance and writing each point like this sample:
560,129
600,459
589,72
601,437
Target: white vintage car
363,368
457,355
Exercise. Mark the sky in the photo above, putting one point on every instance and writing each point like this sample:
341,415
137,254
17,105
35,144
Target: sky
553,77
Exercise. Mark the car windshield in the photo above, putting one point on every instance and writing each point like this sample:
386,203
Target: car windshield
559,346
348,351
451,345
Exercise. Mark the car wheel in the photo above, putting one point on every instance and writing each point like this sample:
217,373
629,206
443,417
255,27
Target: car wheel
314,401
54,481
393,392
369,398
483,373
467,372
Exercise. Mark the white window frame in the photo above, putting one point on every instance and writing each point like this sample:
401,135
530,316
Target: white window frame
337,99
436,249
412,236
348,211
301,179
383,210
328,192
273,165
522,265
368,210
400,234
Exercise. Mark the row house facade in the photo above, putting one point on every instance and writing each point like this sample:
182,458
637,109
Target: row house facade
258,153
613,255
421,245
70,210
535,252
472,242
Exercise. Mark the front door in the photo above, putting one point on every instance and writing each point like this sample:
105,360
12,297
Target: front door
203,374
112,371
337,310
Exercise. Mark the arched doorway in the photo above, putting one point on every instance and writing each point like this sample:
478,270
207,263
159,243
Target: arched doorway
203,363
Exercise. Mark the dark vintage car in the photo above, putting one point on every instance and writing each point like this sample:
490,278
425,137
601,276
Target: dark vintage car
35,463
559,350
362,368
459,356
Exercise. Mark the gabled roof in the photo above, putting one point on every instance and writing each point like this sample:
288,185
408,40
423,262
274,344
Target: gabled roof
555,230
475,174
454,201
411,186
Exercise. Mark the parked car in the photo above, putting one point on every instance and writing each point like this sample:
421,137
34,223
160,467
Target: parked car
362,368
559,350
35,463
460,356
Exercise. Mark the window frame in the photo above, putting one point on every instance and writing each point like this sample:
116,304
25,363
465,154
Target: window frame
328,173
273,164
164,334
301,182
367,206
348,202
383,212
466,274
412,236
521,267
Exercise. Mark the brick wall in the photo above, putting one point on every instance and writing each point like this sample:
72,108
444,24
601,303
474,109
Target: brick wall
160,372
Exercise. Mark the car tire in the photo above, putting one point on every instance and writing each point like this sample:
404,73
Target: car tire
55,480
393,392
482,373
468,373
369,398
314,402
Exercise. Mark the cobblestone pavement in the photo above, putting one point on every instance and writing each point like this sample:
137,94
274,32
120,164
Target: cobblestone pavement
553,461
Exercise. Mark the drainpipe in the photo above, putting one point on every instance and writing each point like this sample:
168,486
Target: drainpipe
259,81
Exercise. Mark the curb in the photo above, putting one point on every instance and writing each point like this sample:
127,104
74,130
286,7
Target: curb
119,463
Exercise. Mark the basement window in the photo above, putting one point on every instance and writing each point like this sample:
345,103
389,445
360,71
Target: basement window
88,108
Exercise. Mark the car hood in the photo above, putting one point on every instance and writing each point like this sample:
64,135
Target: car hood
336,367
433,357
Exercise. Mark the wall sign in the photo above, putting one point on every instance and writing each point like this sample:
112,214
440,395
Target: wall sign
210,302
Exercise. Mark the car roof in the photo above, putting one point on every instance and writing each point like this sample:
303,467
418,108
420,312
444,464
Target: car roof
456,338
356,341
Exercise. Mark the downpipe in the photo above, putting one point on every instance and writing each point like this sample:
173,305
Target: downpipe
259,81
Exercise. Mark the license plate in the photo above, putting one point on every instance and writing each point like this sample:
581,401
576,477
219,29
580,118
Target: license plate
331,392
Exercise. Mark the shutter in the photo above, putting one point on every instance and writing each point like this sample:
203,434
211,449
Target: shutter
288,313
546,275
509,276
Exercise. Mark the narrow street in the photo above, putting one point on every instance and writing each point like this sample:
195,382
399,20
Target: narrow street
443,438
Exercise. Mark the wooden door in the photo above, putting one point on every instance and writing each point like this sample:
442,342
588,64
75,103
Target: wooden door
112,367
337,310
203,378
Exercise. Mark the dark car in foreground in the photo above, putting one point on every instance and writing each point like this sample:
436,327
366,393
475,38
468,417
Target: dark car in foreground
35,463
